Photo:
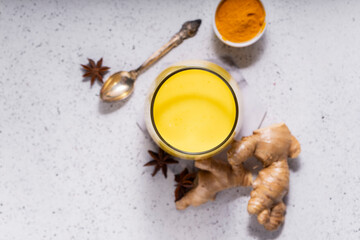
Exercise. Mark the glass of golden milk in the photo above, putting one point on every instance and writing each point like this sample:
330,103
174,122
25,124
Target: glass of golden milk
193,110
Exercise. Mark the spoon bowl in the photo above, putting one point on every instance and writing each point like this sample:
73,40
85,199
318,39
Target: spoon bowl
119,86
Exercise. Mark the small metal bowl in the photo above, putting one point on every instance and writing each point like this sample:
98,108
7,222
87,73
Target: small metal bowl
238,44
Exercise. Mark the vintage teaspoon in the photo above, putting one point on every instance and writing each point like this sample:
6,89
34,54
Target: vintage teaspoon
120,85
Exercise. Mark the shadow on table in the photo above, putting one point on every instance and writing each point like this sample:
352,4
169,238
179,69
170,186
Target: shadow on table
232,194
294,164
109,107
257,230
242,57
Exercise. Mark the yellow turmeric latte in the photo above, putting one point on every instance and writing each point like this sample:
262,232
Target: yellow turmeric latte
194,110
240,20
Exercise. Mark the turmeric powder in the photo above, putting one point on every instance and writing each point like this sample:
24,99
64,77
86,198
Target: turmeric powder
240,20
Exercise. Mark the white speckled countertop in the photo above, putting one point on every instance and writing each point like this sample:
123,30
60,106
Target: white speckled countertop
71,167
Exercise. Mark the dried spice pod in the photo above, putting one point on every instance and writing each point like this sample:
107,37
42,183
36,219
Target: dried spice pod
95,71
185,182
160,161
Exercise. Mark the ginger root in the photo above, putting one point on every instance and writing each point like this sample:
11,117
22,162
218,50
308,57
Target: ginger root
213,177
272,146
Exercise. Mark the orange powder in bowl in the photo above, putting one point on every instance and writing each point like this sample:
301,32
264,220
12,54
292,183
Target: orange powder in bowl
240,20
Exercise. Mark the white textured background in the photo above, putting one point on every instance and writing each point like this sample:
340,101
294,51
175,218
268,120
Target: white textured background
71,167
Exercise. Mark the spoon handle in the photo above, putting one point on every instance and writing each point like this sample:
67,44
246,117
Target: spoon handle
187,30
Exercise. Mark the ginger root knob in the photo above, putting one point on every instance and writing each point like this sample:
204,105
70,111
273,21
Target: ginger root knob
272,146
213,177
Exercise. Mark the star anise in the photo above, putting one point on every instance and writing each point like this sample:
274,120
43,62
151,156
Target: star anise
185,182
160,160
95,71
